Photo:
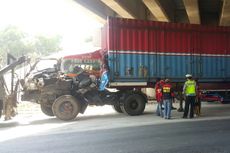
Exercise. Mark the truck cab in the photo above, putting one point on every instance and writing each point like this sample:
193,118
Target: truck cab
89,62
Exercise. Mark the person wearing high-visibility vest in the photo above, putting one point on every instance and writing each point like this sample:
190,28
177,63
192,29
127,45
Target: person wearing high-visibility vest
189,90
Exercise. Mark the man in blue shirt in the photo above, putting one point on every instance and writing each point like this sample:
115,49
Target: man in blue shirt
104,79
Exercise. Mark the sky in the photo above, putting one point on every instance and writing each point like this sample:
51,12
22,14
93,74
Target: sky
50,17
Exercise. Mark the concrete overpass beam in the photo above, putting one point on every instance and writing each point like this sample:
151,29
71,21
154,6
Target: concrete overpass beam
120,9
135,7
192,10
156,9
225,14
96,9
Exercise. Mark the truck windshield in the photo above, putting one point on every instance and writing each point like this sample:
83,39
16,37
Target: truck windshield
45,64
91,66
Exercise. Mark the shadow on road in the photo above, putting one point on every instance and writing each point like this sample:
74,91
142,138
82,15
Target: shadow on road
208,110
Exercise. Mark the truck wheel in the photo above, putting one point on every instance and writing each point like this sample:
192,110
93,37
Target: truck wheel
117,108
46,109
133,105
66,107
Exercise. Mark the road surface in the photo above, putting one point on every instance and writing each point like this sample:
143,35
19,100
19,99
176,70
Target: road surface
110,132
184,137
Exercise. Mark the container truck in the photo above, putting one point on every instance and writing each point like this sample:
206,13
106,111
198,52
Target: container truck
136,52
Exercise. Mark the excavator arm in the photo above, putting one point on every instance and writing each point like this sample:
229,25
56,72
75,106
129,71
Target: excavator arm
8,98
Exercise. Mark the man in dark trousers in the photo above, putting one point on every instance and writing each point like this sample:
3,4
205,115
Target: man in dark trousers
197,106
189,90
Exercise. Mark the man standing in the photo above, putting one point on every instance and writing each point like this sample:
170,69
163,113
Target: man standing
104,78
167,94
189,90
197,106
158,93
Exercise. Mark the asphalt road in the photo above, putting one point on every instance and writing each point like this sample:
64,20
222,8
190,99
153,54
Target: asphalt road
212,136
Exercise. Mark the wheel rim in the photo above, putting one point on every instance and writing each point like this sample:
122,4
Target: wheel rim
66,107
133,105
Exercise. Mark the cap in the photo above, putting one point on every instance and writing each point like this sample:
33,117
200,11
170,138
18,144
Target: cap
188,75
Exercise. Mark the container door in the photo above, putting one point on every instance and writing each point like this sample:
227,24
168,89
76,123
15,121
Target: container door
165,59
152,53
227,59
113,53
213,47
196,58
220,48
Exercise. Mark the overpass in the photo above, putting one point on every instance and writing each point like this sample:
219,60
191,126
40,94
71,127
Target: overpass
205,12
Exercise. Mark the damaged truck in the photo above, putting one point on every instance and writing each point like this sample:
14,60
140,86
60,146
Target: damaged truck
65,93
136,53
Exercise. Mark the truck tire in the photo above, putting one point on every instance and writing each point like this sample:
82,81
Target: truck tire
117,108
66,107
133,105
46,109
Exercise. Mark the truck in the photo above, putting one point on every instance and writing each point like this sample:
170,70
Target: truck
136,53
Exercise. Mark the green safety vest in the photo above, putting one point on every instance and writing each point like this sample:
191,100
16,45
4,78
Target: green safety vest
190,87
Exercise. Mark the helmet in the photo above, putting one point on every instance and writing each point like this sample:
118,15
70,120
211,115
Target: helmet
77,70
167,80
188,75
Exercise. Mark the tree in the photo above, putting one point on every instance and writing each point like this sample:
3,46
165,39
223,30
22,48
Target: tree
46,45
12,40
18,43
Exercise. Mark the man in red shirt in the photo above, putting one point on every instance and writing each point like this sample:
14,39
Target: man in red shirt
158,93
